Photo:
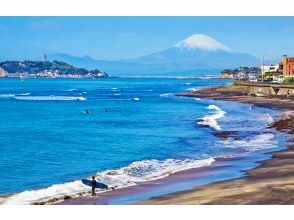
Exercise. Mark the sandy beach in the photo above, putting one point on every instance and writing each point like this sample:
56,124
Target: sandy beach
270,183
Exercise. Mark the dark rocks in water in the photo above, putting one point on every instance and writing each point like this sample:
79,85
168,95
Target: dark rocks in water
285,124
223,134
227,134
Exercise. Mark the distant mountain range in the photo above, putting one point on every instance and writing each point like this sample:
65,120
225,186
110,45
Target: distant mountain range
197,54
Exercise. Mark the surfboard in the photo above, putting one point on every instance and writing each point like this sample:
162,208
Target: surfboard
98,185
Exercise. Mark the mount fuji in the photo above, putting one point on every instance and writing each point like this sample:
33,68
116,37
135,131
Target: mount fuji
197,54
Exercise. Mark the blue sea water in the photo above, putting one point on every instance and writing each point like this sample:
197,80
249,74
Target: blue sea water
137,130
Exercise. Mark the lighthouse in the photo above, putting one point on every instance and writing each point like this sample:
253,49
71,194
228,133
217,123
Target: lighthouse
45,58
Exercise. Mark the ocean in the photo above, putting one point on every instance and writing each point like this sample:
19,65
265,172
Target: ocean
136,131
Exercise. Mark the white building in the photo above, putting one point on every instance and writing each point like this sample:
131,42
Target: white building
269,68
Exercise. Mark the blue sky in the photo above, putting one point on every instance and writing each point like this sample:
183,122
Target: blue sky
128,37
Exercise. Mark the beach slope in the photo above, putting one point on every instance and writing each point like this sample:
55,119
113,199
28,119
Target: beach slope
270,183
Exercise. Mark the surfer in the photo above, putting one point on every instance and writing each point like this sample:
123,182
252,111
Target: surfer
93,183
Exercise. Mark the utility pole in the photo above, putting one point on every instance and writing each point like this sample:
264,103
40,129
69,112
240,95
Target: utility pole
262,70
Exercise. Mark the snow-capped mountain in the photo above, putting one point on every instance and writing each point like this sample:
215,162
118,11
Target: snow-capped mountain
201,42
198,53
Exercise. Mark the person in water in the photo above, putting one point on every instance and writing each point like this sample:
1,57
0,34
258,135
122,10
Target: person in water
87,111
93,185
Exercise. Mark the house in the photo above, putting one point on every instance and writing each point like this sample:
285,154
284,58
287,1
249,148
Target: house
287,66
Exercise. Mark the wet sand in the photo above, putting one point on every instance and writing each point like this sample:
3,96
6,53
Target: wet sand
220,169
270,183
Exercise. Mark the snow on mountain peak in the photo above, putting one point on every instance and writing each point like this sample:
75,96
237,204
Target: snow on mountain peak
203,42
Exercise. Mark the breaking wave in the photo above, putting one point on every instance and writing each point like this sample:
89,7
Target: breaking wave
136,172
257,142
50,98
211,120
72,90
192,89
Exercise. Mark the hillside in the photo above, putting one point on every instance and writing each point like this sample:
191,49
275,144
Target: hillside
47,68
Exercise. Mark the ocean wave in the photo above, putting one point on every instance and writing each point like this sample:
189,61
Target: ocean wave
136,172
268,118
50,98
25,94
192,89
166,95
209,77
7,96
71,90
257,142
211,120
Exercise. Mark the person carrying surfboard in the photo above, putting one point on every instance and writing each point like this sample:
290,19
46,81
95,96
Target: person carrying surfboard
93,183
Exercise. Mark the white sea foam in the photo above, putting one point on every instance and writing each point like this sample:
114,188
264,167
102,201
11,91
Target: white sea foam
268,118
50,98
7,96
192,89
71,90
209,77
257,142
135,99
166,95
117,94
136,172
24,94
211,120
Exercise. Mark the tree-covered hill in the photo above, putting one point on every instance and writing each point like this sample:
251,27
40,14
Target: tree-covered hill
39,67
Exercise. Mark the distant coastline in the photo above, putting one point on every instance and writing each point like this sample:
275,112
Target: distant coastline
46,69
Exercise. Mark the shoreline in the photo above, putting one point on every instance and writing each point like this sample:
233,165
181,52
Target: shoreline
272,182
230,93
219,170
187,174
174,183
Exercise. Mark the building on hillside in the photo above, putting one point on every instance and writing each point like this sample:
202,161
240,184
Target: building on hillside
287,66
2,72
